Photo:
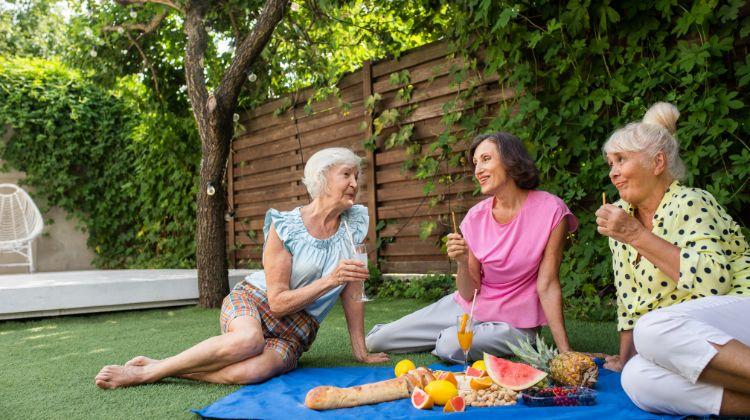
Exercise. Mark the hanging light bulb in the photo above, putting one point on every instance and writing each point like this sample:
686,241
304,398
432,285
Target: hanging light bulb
252,77
236,117
93,53
210,190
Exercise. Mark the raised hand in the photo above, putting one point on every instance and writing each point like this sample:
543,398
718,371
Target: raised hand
616,223
457,249
349,271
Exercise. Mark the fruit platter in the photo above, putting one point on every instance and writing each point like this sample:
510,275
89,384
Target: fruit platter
559,396
544,378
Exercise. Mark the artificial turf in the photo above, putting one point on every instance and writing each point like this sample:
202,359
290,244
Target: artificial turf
47,366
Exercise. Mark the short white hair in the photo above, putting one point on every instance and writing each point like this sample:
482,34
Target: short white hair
654,134
321,162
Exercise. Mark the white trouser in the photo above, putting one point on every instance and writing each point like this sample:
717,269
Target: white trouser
434,328
674,346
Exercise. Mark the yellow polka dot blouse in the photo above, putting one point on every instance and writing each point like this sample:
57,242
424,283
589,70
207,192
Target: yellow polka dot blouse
714,256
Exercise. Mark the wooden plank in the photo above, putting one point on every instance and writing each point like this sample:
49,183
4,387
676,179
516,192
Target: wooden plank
397,174
370,174
312,139
417,267
407,210
261,209
418,55
278,193
306,124
439,72
230,204
351,95
439,88
247,183
256,166
410,248
414,189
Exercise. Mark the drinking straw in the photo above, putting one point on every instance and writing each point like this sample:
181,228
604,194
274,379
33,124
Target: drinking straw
351,238
604,199
473,301
455,228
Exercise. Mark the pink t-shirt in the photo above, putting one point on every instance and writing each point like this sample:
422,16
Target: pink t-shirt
510,255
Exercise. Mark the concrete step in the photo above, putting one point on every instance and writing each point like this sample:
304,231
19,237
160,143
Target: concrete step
76,292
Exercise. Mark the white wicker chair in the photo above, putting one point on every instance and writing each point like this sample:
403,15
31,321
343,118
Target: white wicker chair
20,223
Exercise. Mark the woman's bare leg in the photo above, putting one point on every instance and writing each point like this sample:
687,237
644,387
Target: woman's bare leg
243,340
250,371
735,404
729,368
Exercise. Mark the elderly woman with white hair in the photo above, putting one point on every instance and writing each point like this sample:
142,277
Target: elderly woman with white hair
682,272
269,319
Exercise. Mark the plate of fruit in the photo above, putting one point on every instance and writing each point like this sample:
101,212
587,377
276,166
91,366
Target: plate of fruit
559,396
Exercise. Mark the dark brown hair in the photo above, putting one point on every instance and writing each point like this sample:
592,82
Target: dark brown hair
515,158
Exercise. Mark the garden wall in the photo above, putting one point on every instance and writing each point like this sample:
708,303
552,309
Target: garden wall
268,158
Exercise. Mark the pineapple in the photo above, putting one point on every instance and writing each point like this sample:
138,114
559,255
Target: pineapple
568,368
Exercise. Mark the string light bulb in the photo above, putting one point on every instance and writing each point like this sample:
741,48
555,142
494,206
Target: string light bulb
210,190
252,77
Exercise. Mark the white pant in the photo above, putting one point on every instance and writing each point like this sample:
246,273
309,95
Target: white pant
674,346
434,328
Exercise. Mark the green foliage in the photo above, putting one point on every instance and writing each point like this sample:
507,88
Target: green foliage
581,70
106,158
430,287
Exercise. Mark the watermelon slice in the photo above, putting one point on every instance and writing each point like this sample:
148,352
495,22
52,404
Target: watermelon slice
515,376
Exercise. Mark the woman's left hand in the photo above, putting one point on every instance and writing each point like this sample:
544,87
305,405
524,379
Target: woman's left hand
372,358
613,363
616,223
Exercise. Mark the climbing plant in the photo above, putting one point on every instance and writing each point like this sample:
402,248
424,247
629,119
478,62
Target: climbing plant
581,69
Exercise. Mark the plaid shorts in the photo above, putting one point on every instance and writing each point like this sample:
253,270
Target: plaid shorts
289,336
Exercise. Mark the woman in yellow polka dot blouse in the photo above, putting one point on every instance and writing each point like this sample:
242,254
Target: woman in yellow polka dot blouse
682,271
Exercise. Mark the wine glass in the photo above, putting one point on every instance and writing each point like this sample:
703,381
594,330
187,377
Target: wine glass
360,254
465,333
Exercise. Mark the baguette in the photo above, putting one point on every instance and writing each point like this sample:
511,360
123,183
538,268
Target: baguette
330,397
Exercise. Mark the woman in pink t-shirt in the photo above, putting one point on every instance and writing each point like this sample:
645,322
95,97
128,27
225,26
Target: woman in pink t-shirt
510,252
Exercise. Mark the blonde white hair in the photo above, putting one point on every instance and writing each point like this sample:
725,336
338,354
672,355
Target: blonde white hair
321,162
654,134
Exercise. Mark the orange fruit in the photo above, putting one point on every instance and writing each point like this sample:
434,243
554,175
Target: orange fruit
472,372
421,400
480,383
479,364
455,405
441,391
447,376
403,367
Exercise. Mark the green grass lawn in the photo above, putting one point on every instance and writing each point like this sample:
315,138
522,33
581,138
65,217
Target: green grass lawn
47,366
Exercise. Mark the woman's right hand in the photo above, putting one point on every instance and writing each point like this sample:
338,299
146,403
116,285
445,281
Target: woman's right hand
457,249
348,271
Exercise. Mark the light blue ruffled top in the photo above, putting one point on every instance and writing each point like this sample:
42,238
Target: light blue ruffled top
313,258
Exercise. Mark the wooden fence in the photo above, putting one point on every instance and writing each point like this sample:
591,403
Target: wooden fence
268,158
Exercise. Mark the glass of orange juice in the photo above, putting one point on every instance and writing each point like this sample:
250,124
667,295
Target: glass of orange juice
465,335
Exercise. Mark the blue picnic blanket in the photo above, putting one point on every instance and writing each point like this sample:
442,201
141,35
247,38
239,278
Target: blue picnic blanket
283,398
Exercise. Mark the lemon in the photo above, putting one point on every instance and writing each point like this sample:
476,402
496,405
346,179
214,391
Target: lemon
479,364
403,367
441,391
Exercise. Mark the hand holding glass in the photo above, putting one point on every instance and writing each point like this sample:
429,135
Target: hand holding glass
360,254
465,326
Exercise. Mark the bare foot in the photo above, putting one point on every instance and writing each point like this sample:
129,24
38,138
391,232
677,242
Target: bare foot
114,376
141,361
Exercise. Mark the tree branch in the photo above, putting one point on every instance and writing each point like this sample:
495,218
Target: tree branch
247,51
167,3
143,28
147,63
194,60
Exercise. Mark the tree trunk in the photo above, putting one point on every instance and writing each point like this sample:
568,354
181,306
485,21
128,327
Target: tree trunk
213,114
210,241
